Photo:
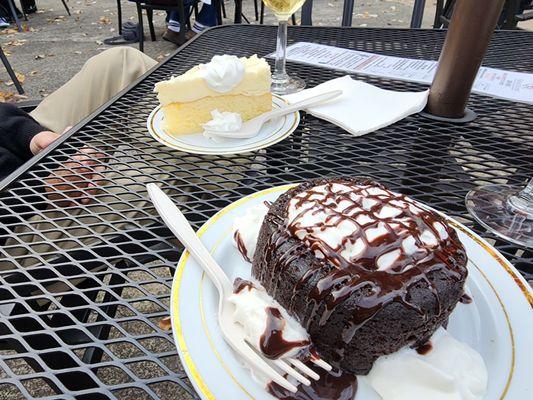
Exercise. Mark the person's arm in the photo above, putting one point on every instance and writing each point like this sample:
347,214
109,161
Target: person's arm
17,129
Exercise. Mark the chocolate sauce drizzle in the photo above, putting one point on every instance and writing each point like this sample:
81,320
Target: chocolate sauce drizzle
241,246
336,279
465,299
333,385
272,343
424,348
240,284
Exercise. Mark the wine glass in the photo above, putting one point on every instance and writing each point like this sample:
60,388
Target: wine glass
282,83
505,210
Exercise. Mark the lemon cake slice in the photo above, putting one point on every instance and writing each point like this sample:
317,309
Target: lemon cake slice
226,84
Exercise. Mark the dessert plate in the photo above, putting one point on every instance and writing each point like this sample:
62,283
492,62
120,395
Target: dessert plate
272,132
498,323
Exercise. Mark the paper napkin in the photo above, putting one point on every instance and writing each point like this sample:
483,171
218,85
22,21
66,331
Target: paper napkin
362,108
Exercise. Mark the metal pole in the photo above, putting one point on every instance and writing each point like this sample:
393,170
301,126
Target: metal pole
468,37
10,71
418,14
347,12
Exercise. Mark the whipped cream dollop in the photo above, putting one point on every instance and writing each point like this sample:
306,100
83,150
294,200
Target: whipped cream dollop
451,370
343,220
222,73
246,229
222,122
267,324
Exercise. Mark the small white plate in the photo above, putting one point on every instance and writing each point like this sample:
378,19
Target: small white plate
498,323
272,132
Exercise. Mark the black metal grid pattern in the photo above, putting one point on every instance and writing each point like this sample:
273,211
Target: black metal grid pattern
82,320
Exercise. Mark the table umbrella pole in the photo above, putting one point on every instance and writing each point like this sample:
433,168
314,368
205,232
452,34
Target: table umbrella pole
468,37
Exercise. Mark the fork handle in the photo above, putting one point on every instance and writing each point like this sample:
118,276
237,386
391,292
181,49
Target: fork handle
178,224
303,104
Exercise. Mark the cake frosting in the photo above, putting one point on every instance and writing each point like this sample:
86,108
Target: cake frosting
348,223
243,75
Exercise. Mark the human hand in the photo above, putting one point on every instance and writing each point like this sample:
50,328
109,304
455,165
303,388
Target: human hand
41,141
75,181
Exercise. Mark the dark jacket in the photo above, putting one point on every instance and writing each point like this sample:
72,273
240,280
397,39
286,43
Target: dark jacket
17,128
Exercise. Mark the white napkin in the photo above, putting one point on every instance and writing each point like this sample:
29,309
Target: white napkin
362,108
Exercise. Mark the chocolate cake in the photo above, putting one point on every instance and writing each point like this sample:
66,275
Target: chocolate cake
365,270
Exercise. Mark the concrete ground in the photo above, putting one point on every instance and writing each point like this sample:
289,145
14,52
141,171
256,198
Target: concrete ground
56,45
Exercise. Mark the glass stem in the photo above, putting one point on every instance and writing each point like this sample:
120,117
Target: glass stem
523,200
280,75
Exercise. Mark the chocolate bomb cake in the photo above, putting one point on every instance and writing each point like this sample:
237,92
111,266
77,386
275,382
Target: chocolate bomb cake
366,271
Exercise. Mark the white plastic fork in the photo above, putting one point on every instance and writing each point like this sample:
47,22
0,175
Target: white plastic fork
252,127
233,333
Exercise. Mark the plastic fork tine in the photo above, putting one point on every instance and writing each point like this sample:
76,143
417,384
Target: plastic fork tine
304,368
322,364
291,371
257,362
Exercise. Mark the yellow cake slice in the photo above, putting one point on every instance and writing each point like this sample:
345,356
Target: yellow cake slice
227,83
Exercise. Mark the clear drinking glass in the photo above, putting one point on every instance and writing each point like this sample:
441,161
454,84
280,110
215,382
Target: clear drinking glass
505,210
282,83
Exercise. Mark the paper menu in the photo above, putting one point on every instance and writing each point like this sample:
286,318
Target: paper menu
509,85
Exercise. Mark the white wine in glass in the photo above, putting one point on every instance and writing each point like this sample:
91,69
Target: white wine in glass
282,83
283,9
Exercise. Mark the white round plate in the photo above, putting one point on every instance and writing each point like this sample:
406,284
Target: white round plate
272,132
498,323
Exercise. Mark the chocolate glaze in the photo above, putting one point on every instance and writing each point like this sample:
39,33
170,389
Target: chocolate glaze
272,343
240,284
333,280
465,299
424,348
334,385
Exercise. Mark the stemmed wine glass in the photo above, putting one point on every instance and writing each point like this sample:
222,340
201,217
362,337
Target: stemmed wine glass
505,210
282,83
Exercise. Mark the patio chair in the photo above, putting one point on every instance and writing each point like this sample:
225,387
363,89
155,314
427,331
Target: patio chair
167,5
514,11
10,71
13,11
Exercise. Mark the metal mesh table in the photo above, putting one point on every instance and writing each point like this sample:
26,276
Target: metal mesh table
83,287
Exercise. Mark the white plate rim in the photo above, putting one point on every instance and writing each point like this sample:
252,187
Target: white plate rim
191,369
264,143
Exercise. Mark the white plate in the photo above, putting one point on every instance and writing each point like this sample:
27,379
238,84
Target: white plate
498,323
272,132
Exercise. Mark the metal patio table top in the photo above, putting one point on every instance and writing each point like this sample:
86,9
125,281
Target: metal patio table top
83,287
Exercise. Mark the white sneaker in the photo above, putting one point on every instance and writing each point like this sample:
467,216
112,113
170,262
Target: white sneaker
3,23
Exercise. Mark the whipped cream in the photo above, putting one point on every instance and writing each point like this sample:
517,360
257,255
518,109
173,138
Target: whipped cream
347,220
222,122
246,230
451,370
251,311
223,73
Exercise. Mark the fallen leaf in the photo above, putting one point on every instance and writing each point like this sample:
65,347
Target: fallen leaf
21,77
77,12
104,20
39,56
77,52
112,30
165,324
33,73
6,96
99,42
19,97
